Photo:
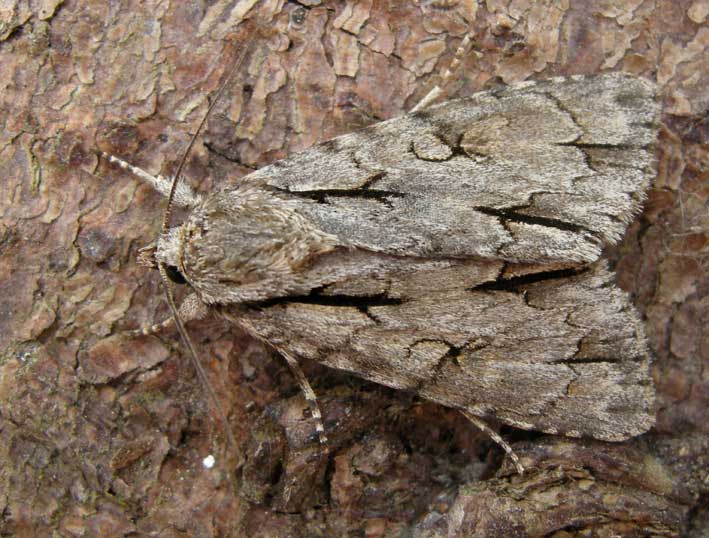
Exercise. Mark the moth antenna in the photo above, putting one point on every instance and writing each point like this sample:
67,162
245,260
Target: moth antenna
437,91
167,285
190,309
183,160
495,437
193,355
310,397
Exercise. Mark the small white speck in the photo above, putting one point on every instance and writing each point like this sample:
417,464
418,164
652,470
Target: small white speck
208,462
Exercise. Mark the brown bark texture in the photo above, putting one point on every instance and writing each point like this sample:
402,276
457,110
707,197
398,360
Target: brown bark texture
104,434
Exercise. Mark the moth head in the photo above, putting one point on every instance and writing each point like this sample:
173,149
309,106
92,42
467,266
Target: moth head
168,251
147,257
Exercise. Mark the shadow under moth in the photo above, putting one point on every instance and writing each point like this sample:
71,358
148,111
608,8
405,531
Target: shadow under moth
453,252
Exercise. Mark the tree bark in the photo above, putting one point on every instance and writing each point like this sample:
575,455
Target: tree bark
104,434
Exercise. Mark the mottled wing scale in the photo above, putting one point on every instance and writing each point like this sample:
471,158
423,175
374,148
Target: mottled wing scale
463,255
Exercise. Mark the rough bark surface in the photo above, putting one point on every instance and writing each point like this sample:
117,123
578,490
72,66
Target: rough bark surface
103,434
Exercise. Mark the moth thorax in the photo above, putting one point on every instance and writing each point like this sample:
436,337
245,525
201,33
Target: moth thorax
242,239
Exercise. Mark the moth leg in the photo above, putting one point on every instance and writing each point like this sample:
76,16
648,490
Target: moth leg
190,309
438,90
495,437
309,394
184,195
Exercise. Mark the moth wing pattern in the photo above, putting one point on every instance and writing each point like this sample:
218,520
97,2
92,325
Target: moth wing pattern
454,252
562,355
562,163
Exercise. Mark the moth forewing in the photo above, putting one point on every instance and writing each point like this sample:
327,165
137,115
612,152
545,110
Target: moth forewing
452,252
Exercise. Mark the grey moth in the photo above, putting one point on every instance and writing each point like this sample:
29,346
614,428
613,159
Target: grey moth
454,252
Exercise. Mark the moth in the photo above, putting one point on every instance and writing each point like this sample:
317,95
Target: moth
454,252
